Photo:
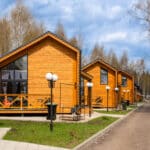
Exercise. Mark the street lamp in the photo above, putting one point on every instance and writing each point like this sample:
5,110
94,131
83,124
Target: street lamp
51,78
116,90
107,89
89,85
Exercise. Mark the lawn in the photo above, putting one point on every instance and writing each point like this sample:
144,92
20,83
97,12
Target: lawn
117,112
66,135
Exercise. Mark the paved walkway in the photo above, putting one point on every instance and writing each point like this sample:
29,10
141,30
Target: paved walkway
131,134
85,118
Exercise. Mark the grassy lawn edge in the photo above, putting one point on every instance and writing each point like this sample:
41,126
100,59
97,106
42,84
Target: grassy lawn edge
66,135
117,112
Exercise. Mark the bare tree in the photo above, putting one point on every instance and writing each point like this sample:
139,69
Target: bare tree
5,43
23,25
97,53
141,11
112,58
60,31
124,61
140,68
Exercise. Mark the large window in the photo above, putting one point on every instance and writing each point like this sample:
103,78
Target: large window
104,76
13,77
124,81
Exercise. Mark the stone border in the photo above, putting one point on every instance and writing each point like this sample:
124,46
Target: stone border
103,132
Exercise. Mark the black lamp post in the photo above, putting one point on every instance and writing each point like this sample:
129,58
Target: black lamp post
51,78
107,89
89,85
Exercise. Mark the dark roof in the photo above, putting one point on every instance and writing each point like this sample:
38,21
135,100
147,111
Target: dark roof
86,75
99,61
126,73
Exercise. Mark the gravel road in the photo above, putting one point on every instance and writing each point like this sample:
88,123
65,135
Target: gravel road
132,133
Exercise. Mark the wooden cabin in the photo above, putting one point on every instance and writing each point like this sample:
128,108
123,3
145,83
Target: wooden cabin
103,75
126,86
137,93
23,87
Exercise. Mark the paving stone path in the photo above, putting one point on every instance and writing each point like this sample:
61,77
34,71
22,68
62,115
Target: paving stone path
132,133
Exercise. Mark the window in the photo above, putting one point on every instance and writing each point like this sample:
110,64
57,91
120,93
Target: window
124,81
13,77
104,76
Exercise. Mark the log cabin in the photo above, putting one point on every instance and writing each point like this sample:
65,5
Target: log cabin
103,75
126,86
137,93
23,87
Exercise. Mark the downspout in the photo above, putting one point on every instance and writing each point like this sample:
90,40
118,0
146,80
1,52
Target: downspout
80,53
116,94
133,93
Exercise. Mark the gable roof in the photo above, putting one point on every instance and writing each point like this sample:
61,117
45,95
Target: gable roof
100,61
86,75
35,41
126,73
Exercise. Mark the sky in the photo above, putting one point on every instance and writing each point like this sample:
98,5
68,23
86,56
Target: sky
107,22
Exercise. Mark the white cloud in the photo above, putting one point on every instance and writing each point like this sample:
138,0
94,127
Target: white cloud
115,11
110,37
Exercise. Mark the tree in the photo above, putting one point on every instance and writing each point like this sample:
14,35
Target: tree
124,61
60,31
23,26
97,53
140,68
77,41
141,11
5,43
112,59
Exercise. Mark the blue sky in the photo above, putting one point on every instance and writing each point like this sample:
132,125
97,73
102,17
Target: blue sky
106,22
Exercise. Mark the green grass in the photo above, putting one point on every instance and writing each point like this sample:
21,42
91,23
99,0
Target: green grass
132,106
116,112
65,135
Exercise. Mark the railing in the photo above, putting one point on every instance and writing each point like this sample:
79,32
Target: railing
23,101
95,101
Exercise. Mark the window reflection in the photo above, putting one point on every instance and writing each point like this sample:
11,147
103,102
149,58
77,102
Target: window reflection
14,77
104,76
124,81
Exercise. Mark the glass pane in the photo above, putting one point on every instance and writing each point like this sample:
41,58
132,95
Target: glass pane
21,64
104,76
14,77
124,81
4,87
20,74
7,74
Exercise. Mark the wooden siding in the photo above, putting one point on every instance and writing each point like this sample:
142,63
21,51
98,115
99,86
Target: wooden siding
51,54
99,90
126,92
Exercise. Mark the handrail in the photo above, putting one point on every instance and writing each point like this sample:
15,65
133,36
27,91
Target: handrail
22,101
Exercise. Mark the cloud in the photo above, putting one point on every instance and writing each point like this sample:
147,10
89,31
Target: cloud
110,37
104,21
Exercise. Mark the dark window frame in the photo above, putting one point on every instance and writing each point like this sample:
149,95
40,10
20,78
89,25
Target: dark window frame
102,75
124,81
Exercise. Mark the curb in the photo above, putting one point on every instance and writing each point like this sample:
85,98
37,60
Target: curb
103,132
3,131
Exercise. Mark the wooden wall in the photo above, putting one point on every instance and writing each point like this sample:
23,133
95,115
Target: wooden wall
99,90
126,92
51,56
